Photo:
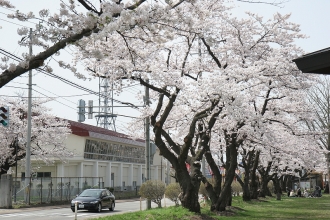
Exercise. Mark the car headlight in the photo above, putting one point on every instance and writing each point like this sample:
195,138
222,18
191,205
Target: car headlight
94,202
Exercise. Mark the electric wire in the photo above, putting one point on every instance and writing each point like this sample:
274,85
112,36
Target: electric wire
14,57
54,99
132,92
14,96
16,23
13,23
56,94
16,87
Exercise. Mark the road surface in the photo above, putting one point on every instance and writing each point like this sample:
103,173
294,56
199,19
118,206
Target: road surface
62,213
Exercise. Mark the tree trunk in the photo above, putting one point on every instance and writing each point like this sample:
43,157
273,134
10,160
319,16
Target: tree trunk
224,197
231,165
278,189
254,182
213,191
245,186
264,191
265,178
189,198
246,163
246,192
229,202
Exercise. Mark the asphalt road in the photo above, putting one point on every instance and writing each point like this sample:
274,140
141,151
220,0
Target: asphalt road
61,213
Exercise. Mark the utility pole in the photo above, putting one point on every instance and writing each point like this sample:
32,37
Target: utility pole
147,130
167,172
28,142
200,64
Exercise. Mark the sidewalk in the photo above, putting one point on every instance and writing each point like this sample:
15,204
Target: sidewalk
43,207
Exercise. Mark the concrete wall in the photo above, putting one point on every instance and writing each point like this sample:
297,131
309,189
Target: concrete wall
5,191
76,144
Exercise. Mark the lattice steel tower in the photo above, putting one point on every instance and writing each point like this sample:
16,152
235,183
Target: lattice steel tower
106,119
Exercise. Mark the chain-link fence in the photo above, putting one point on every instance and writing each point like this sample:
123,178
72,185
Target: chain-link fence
52,189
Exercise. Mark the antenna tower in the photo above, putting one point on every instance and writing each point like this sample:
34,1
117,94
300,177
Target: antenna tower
106,119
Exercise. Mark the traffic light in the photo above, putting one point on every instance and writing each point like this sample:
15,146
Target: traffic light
4,115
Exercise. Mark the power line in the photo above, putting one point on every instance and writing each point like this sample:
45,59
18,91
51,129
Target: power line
54,100
61,96
15,11
130,86
14,96
14,23
7,9
18,59
16,87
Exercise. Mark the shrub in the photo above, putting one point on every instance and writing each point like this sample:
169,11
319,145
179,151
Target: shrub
236,187
111,189
202,189
172,192
271,187
153,190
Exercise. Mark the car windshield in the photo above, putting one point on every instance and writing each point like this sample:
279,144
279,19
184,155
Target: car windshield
90,193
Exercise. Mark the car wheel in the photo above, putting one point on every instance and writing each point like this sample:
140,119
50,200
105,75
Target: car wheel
112,207
99,207
72,210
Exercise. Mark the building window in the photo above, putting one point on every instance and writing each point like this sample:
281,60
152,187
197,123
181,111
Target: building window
43,174
100,150
37,175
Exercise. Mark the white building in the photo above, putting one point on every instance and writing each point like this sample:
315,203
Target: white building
116,159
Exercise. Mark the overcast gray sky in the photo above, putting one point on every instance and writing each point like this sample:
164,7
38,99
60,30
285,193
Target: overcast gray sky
312,15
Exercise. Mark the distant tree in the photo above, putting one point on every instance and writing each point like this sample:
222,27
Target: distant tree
153,190
319,97
48,134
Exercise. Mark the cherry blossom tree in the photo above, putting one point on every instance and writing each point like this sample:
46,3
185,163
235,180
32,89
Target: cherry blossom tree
213,80
48,134
234,77
217,82
319,97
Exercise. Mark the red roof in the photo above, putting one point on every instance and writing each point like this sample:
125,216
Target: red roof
81,129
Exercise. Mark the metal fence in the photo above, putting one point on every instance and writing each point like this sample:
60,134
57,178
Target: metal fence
52,189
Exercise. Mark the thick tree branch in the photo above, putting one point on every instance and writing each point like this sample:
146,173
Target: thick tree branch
38,60
156,89
89,6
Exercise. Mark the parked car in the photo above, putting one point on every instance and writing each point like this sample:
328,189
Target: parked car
94,199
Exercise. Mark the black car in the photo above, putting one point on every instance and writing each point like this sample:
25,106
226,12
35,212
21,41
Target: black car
94,199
